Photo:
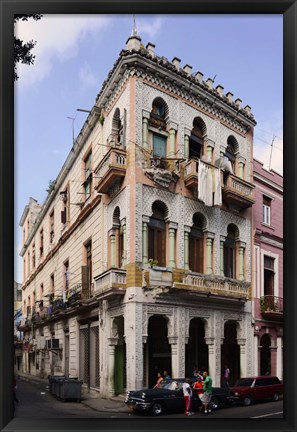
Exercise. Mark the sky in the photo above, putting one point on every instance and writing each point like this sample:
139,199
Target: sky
74,54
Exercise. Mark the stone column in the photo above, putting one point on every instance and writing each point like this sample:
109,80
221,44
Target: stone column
145,117
210,342
172,134
124,258
112,342
145,221
172,229
222,241
279,364
187,133
112,248
209,149
222,153
209,245
174,355
241,163
243,357
273,359
186,247
241,248
256,351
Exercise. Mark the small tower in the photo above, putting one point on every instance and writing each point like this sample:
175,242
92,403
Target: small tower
134,40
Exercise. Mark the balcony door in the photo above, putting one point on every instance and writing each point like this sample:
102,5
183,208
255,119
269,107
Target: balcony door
196,250
156,241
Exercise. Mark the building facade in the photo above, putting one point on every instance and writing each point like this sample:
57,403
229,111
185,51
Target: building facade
268,271
140,259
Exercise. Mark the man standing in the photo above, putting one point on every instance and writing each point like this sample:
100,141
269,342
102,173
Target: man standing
226,376
207,387
187,397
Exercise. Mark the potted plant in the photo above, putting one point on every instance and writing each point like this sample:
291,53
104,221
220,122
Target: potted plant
152,262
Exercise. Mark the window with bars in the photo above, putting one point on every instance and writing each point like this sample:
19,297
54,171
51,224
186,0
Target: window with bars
266,210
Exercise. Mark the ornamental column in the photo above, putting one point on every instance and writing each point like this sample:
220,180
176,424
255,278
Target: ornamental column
112,248
187,135
145,221
222,241
241,249
279,364
124,257
112,342
241,164
172,133
187,230
273,359
145,118
210,342
172,229
209,245
174,355
209,149
243,357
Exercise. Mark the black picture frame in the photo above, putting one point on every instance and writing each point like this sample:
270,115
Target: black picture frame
8,8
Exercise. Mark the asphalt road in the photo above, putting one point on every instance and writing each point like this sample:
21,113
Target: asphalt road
36,402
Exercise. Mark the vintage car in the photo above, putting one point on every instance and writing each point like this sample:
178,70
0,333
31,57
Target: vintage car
247,390
169,398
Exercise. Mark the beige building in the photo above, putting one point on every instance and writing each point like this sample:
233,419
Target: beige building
140,258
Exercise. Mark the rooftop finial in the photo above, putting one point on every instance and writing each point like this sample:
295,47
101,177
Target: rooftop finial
134,30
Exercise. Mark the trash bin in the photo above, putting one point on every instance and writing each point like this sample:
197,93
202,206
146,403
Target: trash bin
54,381
70,389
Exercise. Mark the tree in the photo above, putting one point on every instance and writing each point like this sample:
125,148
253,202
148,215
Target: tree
22,51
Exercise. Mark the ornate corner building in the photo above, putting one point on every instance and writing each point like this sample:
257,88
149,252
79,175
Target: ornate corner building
140,259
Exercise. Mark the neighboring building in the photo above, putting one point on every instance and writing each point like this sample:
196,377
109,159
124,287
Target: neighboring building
268,271
126,270
17,314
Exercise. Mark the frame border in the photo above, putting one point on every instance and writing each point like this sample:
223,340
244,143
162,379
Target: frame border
7,9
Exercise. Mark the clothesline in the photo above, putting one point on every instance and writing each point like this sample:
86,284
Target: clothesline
209,185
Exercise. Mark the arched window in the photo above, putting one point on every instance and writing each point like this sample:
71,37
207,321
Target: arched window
196,244
230,154
117,128
196,139
157,234
158,117
159,108
230,253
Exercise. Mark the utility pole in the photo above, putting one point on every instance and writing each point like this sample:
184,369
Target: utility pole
271,151
73,119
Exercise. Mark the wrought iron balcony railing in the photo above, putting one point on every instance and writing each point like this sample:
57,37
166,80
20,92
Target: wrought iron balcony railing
271,305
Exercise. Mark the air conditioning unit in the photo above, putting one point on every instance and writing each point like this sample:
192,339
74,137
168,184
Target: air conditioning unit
52,344
48,344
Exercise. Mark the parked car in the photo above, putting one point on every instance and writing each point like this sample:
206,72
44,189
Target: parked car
169,398
247,390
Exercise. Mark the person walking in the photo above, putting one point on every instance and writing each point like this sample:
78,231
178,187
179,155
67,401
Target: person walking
187,391
226,376
207,387
159,380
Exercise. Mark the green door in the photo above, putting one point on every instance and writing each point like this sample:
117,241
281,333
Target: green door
119,369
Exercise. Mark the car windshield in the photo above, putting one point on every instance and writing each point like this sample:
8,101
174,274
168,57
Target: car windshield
169,385
244,382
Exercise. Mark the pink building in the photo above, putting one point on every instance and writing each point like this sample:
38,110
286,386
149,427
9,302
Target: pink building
268,271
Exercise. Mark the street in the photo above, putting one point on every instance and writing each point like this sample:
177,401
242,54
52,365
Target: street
37,402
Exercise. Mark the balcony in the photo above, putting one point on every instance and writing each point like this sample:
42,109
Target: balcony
111,282
111,170
214,286
271,307
191,174
238,193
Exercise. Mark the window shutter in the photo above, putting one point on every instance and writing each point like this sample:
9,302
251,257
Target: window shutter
63,216
159,143
85,281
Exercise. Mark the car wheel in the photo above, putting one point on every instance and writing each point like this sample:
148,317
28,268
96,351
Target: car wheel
275,397
157,409
247,401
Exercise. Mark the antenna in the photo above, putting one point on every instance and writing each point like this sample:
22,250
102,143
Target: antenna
134,30
271,151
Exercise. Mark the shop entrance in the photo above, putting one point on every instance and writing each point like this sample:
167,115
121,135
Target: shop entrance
230,352
196,348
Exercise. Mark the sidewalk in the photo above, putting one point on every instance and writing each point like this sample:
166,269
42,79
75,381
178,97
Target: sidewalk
90,399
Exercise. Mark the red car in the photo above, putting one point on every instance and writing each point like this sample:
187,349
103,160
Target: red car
247,390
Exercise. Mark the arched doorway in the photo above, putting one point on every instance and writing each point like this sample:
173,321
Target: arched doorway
265,361
159,349
230,352
196,348
120,358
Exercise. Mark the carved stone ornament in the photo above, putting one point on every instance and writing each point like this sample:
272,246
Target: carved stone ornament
161,177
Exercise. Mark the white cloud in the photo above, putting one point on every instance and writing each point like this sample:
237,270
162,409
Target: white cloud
149,27
57,39
87,77
265,133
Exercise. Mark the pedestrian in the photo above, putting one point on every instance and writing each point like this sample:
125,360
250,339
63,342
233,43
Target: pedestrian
207,388
14,390
187,391
195,371
226,376
166,375
198,387
159,380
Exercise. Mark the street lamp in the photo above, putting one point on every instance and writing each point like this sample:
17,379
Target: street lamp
73,119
